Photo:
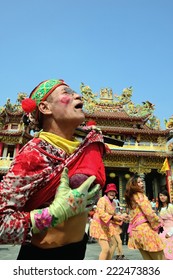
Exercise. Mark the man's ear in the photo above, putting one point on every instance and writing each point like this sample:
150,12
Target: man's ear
44,108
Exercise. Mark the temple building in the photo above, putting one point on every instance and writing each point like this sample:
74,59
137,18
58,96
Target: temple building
136,142
13,132
146,146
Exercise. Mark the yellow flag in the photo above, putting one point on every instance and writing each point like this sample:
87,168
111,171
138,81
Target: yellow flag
165,166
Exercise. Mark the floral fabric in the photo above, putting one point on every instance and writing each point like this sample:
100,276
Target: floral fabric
36,164
144,224
101,226
166,214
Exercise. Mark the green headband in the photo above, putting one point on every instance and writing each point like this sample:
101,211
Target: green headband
44,89
40,93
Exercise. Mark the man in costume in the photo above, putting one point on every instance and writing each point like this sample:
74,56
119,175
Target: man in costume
38,207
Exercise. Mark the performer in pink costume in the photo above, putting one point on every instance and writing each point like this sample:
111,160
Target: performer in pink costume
165,211
144,224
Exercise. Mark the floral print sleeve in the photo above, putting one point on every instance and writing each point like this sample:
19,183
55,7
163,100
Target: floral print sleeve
166,215
145,206
170,209
105,216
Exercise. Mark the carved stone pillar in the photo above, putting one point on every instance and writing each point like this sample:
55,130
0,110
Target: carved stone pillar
120,189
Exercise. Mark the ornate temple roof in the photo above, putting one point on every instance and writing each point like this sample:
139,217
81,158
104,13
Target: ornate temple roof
117,113
138,153
133,130
12,129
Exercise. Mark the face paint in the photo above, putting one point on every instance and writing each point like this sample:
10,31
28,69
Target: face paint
65,99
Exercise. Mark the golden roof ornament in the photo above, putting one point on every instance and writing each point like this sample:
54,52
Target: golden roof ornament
106,101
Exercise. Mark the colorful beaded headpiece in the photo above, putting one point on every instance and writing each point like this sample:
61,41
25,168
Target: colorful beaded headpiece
40,93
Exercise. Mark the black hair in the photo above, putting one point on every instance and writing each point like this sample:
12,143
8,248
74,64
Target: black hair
166,193
26,120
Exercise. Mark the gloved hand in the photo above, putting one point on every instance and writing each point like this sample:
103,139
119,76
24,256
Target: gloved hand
93,196
67,203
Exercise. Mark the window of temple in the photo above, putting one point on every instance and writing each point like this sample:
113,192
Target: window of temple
8,151
14,126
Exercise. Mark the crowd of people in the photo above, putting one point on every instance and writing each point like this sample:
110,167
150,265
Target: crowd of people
141,227
57,183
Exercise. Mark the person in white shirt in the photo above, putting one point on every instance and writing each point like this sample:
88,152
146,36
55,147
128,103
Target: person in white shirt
153,204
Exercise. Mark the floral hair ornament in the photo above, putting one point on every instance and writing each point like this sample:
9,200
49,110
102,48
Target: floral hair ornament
40,93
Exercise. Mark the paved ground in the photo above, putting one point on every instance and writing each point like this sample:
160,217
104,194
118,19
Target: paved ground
93,251
9,252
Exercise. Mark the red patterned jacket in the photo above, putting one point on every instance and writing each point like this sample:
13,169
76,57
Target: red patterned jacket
34,176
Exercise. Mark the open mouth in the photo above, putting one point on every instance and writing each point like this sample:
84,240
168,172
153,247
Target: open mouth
79,106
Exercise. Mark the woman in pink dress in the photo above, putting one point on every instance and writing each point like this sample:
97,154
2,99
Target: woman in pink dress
165,212
144,223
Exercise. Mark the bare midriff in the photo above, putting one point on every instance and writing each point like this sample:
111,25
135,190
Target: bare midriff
70,231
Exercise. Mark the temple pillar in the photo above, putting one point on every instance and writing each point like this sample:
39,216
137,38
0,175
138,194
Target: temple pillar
1,148
120,189
17,148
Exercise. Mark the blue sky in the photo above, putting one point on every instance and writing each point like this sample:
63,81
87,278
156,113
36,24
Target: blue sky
102,43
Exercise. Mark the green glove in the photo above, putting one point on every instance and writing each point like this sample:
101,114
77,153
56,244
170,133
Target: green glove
67,203
93,196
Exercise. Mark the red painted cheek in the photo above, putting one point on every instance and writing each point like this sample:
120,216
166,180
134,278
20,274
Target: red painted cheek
65,100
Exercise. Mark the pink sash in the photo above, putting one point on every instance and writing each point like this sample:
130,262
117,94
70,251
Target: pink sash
134,223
